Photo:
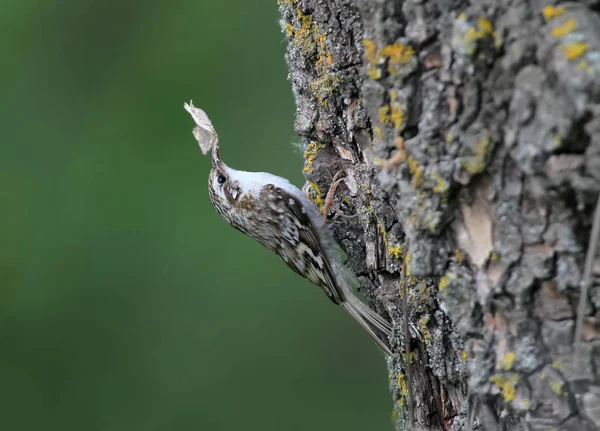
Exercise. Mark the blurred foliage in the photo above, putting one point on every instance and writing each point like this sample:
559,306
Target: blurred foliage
125,302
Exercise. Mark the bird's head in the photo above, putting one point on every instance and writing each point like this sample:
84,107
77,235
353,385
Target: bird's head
235,194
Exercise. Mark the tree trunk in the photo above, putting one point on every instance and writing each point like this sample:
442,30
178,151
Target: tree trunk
469,136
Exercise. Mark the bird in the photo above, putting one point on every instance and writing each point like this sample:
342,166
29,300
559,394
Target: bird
278,215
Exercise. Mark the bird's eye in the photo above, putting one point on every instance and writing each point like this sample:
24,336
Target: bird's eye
221,179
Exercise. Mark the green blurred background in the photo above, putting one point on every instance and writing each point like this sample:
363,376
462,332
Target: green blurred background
126,303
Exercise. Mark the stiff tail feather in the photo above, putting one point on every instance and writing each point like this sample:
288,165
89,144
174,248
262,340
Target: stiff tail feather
375,325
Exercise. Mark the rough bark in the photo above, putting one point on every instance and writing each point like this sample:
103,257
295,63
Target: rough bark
469,135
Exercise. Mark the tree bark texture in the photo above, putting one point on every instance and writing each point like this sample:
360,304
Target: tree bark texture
468,132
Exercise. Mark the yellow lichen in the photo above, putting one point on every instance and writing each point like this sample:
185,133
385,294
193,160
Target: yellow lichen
314,193
556,141
289,29
441,185
397,52
322,87
373,72
478,161
424,293
423,321
377,133
556,365
497,380
417,178
399,55
507,361
310,154
574,50
432,225
564,29
304,35
413,165
395,251
469,39
384,114
324,62
373,59
327,82
485,27
393,113
585,66
497,40
380,226
402,386
551,11
397,115
507,385
307,38
556,387
508,391
416,172
370,50
458,255
464,356
443,282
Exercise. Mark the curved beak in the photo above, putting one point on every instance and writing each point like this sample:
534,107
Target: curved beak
217,163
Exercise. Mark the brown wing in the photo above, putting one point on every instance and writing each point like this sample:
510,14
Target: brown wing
299,247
